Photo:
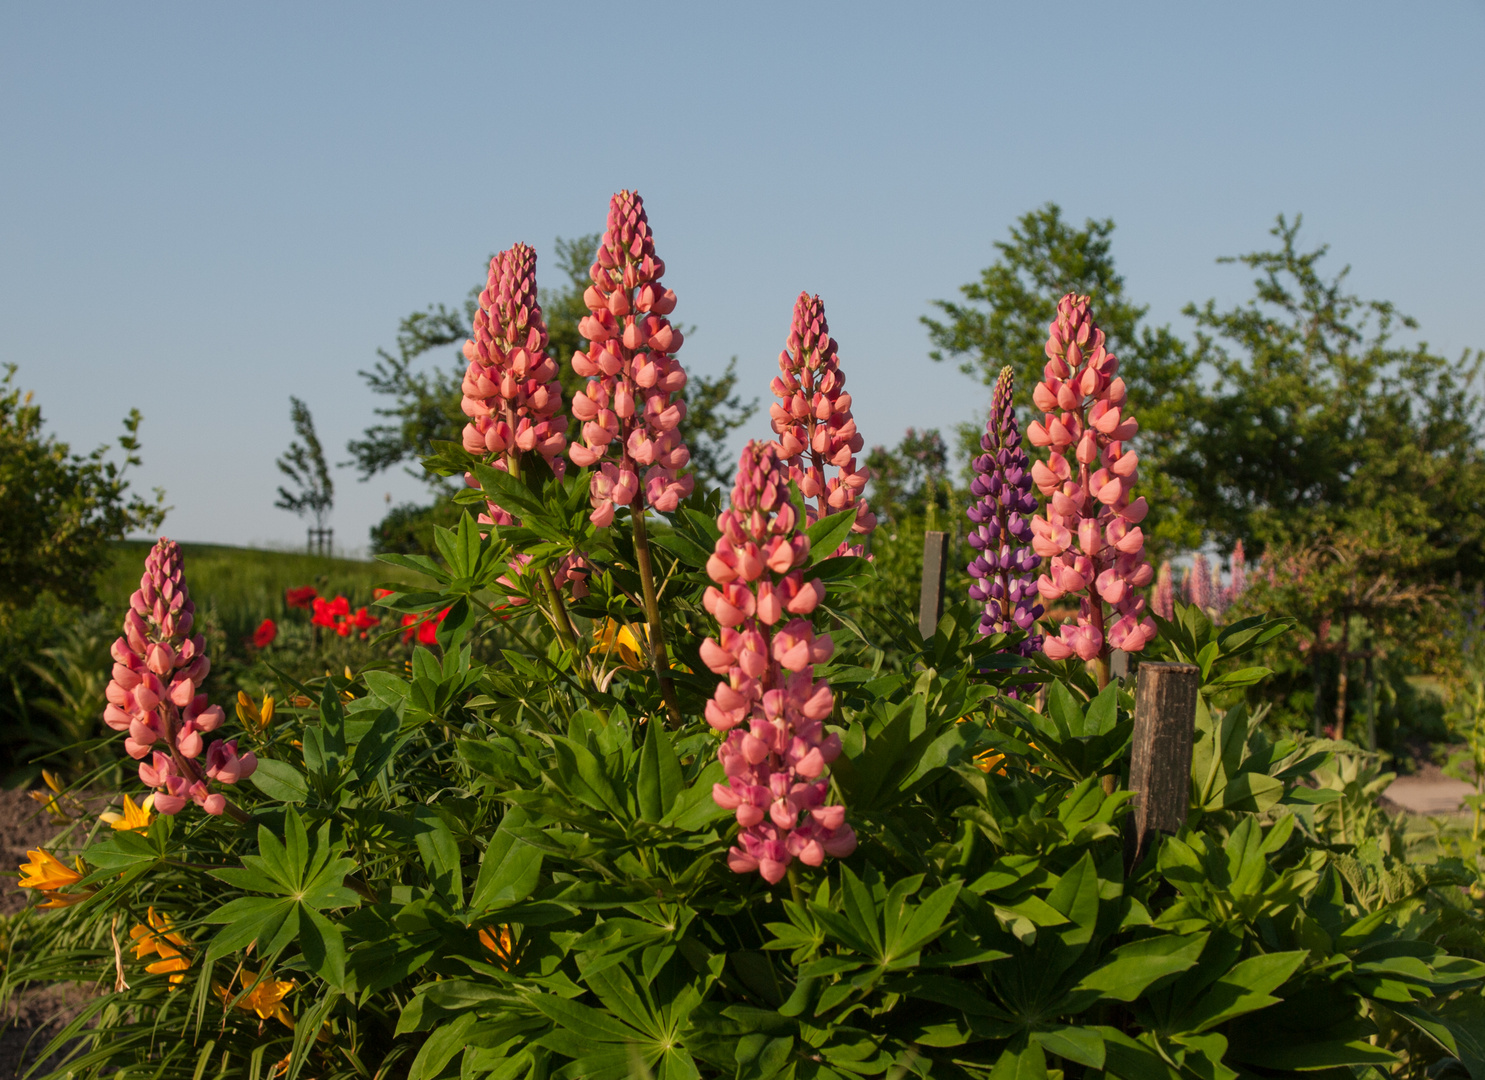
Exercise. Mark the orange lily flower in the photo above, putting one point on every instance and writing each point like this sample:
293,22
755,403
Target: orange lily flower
266,998
160,939
46,873
51,800
500,944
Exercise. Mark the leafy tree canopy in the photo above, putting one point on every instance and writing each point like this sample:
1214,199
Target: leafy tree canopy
1003,319
60,510
1320,423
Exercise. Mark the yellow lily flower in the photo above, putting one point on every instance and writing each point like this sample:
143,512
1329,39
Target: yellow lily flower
160,939
134,818
612,638
266,999
256,718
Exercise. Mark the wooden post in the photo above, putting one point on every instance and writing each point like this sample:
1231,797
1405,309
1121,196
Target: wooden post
1160,768
931,596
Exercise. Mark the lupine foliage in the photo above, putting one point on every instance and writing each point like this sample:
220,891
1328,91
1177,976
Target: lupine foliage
535,865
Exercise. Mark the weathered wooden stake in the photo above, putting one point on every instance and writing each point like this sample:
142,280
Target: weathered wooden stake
931,597
1160,768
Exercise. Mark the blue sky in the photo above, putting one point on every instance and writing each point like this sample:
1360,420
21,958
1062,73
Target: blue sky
206,208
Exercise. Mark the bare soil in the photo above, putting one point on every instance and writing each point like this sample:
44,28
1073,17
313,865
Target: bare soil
34,1016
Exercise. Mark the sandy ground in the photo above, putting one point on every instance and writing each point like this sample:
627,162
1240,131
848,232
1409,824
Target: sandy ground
1429,793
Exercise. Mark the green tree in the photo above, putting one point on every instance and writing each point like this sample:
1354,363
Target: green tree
912,478
1003,319
304,464
59,511
1320,424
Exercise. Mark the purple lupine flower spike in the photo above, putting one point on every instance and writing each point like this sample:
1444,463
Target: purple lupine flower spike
1004,570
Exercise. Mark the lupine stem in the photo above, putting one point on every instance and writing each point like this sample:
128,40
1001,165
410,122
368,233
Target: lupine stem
561,621
658,658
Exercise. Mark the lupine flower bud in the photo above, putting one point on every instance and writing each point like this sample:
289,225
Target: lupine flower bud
1002,572
631,408
814,423
157,669
1091,531
770,705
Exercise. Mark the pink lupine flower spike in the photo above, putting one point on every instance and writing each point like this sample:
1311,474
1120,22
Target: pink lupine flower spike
513,399
632,407
1091,532
814,423
153,695
770,706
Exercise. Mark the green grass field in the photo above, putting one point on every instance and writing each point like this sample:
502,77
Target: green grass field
244,586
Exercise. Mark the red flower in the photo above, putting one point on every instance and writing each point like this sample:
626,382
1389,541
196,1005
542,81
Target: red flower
424,626
264,635
336,615
377,594
300,597
333,614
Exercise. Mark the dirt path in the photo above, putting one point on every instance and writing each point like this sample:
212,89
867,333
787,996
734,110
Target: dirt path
1429,793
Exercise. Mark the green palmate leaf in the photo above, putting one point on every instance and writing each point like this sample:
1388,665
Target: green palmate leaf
507,490
305,884
1313,1055
582,775
1026,1062
440,1048
440,852
1457,1025
587,1024
510,868
376,746
120,851
280,781
1132,969
1244,988
323,947
1080,1044
1133,1059
827,534
660,779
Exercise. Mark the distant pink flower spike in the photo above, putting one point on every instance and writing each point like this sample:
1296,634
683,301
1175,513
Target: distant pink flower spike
158,667
632,407
1200,590
1164,601
770,706
1238,573
814,423
1091,532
